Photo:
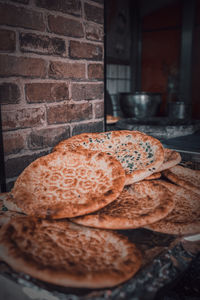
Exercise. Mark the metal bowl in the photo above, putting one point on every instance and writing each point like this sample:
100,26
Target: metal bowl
140,104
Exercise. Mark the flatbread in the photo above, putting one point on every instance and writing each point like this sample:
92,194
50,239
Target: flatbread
111,119
186,177
185,217
139,204
171,159
62,185
5,214
65,254
153,176
140,154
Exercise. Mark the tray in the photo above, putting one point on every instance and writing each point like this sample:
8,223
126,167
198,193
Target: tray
166,257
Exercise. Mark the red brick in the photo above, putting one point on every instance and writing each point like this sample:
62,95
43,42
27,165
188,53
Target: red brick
63,70
13,142
21,17
14,166
22,66
9,93
46,92
95,71
63,113
47,137
88,91
8,40
99,109
72,7
85,50
94,32
65,26
30,42
94,13
23,118
89,127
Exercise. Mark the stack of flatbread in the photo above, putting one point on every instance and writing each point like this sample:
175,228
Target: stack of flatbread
62,205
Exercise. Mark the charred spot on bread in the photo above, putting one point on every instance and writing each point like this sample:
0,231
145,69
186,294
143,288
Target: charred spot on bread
109,192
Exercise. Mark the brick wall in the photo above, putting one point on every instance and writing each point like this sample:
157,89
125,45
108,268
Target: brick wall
51,76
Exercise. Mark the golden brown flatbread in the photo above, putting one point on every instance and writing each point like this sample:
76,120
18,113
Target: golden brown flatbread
62,185
153,176
111,119
65,254
139,204
186,177
140,154
184,219
171,159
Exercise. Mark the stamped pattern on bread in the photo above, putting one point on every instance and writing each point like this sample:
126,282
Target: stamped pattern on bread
186,177
184,219
61,185
140,154
139,204
66,254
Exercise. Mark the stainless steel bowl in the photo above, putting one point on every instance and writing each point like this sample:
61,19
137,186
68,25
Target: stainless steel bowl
140,104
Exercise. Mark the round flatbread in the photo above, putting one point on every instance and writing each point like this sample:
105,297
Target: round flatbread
62,185
139,204
171,159
140,154
184,219
186,177
65,254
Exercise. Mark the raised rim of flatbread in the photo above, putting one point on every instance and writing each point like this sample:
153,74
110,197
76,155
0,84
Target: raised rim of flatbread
68,184
171,159
154,176
66,254
111,119
184,219
5,214
139,204
185,177
140,154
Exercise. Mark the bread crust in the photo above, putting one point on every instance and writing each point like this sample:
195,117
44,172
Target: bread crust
154,176
5,214
185,177
184,219
66,254
140,154
138,205
67,184
171,159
